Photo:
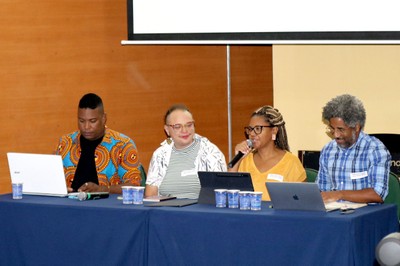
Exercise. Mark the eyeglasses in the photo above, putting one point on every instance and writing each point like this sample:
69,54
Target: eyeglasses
178,127
257,129
331,130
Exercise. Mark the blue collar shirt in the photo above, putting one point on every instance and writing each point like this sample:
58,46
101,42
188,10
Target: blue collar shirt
366,164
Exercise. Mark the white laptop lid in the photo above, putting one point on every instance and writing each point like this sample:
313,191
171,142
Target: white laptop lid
297,196
41,174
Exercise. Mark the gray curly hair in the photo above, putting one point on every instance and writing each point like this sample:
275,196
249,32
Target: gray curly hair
346,107
272,116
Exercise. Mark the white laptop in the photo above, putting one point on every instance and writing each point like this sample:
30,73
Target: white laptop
41,174
298,196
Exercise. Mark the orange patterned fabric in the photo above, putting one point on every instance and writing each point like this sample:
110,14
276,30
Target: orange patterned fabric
116,158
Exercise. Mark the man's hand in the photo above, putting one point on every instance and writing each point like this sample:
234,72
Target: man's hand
329,196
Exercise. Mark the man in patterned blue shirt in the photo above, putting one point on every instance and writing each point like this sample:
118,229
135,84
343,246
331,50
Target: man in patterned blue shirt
95,157
353,166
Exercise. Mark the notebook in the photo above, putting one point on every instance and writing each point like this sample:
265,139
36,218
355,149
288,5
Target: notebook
227,180
41,174
173,203
158,198
298,196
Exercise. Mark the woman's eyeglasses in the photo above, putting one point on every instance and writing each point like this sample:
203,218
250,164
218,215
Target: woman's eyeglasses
257,129
178,127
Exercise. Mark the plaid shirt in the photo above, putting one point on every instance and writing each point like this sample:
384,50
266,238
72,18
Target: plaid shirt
366,164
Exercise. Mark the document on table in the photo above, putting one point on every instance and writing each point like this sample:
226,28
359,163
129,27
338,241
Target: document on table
344,205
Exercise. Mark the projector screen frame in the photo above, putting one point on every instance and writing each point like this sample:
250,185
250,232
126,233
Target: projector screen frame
382,37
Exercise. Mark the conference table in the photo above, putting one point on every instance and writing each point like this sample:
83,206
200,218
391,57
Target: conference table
61,231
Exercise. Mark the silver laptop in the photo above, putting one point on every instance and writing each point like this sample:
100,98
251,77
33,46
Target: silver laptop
41,174
297,196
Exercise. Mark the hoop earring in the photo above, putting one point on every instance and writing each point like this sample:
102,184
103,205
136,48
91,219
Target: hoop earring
273,137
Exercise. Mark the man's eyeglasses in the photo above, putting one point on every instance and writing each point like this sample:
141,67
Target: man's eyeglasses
257,129
178,127
331,130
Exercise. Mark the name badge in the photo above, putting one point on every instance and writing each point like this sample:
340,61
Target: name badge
275,177
189,172
358,175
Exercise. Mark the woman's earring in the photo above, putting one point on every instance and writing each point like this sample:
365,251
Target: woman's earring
169,140
273,137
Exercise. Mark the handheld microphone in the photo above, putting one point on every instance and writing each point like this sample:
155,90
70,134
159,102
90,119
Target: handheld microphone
239,155
92,195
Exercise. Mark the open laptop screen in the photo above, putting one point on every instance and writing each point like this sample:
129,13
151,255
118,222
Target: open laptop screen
226,180
41,174
303,196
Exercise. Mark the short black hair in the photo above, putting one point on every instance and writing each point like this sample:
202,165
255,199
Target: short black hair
91,101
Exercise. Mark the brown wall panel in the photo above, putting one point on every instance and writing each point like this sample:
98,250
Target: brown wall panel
54,52
252,86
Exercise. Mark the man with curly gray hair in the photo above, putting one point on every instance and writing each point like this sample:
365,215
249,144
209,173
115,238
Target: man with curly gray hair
353,166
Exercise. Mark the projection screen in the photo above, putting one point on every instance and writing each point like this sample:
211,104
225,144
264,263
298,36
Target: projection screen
263,21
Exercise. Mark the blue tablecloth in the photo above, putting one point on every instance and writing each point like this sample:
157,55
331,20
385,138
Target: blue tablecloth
59,231
205,235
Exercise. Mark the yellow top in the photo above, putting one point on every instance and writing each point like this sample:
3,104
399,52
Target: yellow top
288,169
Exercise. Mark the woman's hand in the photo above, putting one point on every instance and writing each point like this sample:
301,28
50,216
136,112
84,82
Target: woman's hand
242,147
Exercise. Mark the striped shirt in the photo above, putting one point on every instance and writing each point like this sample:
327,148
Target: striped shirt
208,158
181,179
366,164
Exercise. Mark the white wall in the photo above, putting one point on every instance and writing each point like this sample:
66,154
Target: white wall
306,77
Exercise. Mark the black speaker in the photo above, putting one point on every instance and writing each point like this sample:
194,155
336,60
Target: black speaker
392,143
309,159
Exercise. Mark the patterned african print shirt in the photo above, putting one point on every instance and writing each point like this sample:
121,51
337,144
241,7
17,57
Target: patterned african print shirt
116,158
366,164
209,158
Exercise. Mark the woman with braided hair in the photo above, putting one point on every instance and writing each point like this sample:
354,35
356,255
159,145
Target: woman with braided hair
269,159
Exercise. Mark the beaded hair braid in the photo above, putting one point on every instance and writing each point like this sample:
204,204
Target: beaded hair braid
274,117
